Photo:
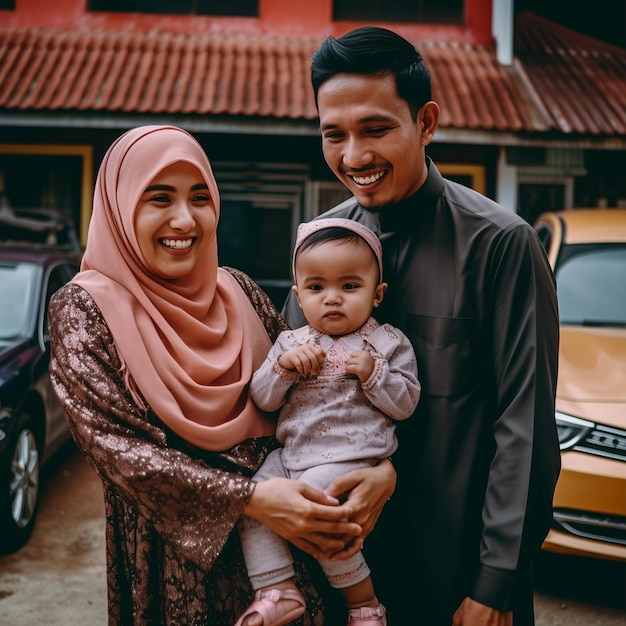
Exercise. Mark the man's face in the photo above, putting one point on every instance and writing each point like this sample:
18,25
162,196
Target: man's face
369,138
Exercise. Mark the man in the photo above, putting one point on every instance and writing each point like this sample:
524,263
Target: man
470,285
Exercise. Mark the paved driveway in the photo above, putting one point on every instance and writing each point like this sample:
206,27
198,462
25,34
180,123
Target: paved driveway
58,578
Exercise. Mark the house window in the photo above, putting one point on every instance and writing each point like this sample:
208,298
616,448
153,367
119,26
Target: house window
415,11
260,209
235,8
538,196
55,178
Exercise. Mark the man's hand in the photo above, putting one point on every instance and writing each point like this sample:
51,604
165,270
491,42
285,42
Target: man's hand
305,359
368,491
472,613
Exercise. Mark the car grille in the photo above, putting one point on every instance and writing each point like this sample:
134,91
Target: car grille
604,441
609,528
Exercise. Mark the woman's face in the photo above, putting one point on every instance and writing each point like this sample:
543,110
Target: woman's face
174,218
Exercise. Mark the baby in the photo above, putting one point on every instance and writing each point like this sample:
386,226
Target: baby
341,381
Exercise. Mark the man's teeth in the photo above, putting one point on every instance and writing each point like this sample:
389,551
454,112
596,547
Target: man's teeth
177,243
368,180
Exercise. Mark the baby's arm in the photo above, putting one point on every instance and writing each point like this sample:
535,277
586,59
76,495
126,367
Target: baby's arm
281,369
392,385
306,359
361,364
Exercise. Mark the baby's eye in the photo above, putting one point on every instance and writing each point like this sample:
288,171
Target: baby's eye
348,286
315,287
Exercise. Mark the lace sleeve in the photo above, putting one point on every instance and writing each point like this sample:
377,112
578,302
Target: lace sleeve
130,448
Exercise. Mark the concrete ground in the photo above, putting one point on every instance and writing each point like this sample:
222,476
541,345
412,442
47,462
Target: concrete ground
58,578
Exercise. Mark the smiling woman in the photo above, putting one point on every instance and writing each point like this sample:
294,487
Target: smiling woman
173,217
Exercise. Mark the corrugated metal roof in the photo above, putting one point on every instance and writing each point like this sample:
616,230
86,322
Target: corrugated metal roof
554,84
580,81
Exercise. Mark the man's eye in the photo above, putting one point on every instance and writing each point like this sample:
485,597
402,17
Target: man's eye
377,130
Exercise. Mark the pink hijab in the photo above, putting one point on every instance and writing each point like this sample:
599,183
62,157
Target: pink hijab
190,345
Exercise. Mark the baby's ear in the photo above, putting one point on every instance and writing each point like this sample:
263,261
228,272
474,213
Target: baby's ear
294,288
380,293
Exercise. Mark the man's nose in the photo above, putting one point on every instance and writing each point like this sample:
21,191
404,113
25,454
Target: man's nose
357,154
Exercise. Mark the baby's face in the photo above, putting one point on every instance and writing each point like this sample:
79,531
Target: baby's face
337,285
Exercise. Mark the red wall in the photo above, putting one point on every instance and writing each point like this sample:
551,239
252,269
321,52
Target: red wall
299,18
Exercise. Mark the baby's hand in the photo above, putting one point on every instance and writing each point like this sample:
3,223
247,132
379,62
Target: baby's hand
361,364
305,359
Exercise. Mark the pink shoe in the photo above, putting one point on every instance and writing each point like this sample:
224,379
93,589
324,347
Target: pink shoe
366,616
267,603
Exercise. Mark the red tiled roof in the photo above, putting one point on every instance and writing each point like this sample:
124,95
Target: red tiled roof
580,81
155,73
264,76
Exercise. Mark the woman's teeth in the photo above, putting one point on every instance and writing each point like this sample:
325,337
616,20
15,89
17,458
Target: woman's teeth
177,243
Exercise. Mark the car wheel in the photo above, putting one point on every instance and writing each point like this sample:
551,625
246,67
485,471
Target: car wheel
19,487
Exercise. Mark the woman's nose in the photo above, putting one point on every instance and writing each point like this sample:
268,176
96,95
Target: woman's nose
182,218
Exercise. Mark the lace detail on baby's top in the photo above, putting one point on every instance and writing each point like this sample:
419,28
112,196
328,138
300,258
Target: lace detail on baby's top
339,349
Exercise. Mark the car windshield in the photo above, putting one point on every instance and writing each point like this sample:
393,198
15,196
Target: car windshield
591,285
17,286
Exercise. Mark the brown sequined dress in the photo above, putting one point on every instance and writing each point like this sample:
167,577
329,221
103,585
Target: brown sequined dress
173,553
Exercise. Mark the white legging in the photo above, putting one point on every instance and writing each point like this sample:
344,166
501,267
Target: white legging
267,555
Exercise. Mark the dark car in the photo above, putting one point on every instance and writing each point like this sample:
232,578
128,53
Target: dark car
32,424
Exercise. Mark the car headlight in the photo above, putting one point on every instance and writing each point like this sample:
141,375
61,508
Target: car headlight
571,429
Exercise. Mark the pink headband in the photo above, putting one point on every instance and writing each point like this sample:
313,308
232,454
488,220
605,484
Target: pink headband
308,228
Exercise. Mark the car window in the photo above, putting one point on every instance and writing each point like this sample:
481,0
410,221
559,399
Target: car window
17,286
591,286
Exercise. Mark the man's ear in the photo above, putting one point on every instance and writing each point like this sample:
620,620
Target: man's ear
428,121
379,293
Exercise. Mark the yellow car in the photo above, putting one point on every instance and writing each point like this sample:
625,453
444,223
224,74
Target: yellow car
587,250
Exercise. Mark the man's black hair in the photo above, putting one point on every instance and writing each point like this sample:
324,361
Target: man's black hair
372,50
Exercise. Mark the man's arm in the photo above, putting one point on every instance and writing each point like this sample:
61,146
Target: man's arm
517,509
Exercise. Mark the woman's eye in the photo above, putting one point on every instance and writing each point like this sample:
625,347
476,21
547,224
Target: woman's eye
201,198
159,198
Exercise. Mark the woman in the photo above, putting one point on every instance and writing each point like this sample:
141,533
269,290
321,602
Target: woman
153,348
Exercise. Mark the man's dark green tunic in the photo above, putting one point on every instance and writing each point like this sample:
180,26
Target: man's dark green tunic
470,286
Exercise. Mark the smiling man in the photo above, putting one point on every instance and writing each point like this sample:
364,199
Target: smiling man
470,285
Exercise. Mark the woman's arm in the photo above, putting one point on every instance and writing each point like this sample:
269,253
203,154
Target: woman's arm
194,505
308,518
